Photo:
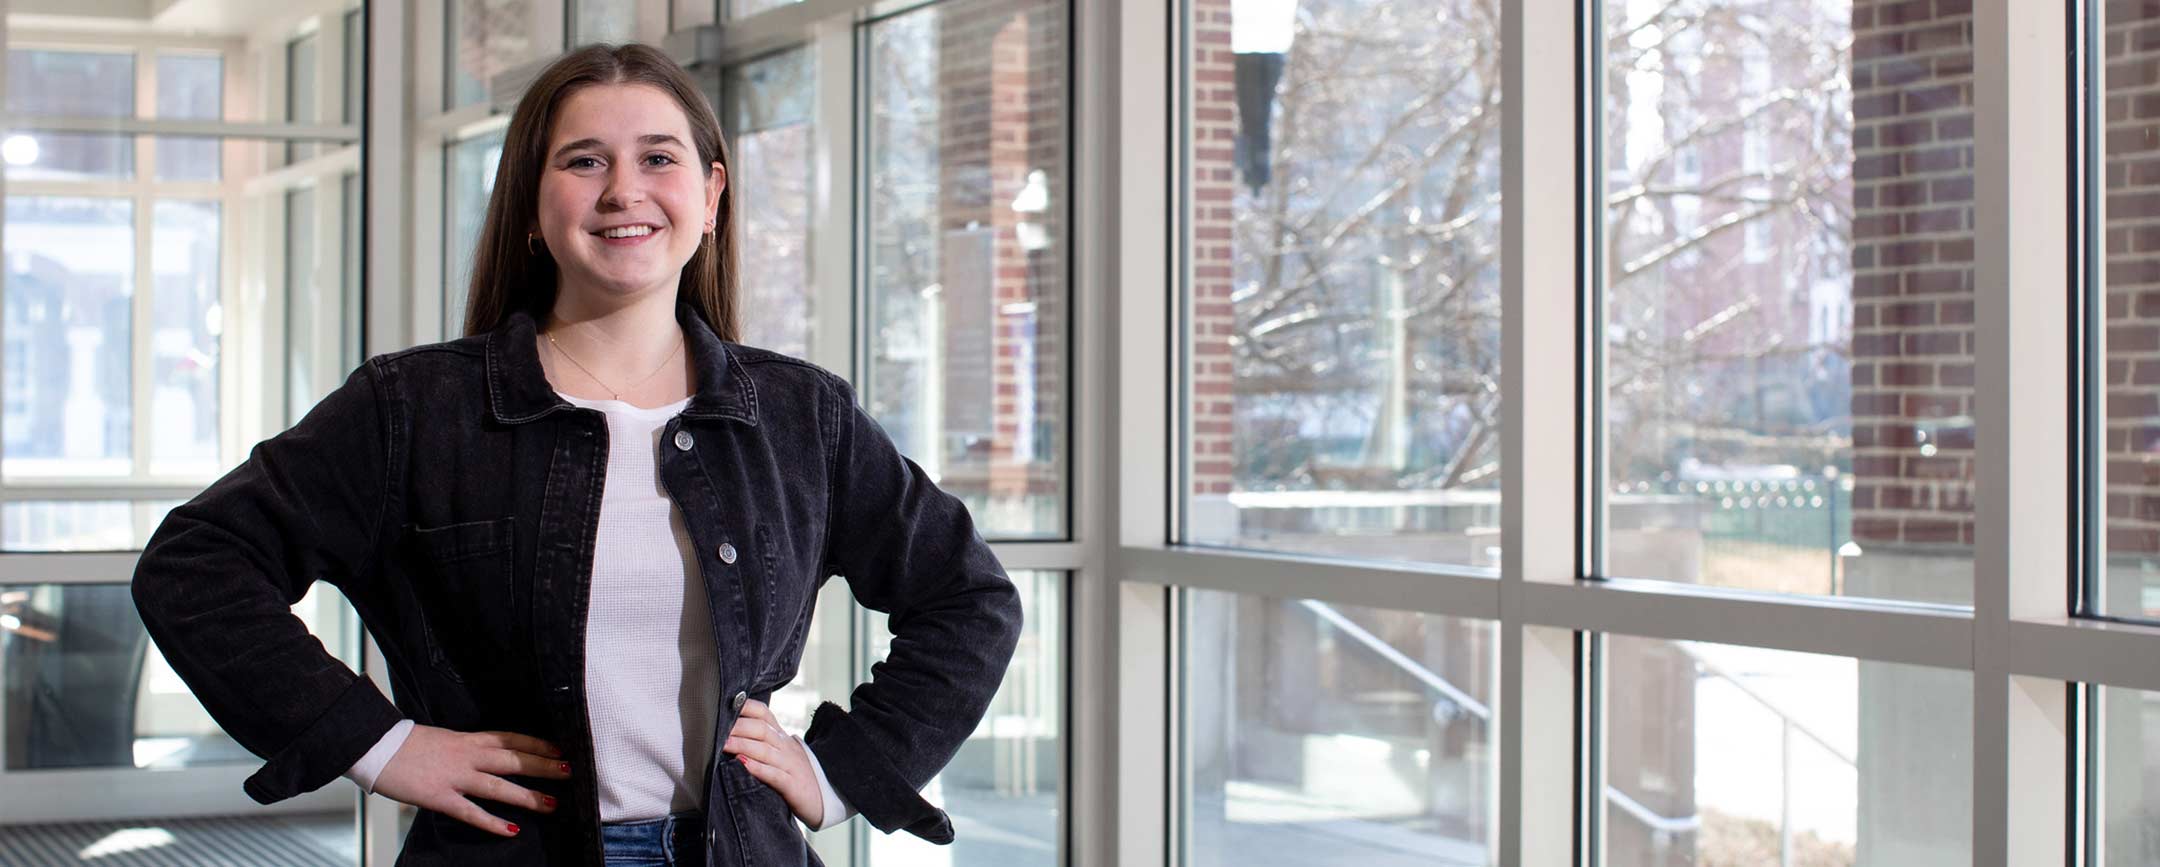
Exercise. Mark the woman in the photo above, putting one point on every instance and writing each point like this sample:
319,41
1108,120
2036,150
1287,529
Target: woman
588,537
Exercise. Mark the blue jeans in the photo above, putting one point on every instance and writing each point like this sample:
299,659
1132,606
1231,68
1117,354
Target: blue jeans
669,841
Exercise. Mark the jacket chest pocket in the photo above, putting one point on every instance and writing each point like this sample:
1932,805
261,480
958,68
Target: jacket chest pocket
787,596
463,584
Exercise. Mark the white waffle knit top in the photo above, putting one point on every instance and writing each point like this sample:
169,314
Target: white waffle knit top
652,681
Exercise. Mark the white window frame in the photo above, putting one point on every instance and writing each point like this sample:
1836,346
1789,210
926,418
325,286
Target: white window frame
251,404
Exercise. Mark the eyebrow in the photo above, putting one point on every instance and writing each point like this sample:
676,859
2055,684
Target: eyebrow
652,138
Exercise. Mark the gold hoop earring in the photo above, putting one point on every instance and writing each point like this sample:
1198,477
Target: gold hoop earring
529,239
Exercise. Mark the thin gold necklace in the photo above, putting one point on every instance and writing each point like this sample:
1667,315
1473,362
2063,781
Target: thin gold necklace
641,380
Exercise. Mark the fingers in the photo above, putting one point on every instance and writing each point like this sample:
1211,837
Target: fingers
518,742
497,789
757,721
771,775
510,763
470,813
755,709
763,751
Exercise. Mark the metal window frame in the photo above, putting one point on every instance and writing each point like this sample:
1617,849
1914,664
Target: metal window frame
2020,641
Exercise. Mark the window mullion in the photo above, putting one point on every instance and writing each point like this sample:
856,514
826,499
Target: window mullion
1540,142
2023,536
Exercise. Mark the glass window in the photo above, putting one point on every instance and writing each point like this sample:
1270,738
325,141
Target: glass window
305,369
2129,777
190,87
68,306
1324,734
187,320
612,21
38,526
747,8
303,105
1729,755
1002,787
2131,306
352,294
1793,413
355,100
487,37
966,257
691,13
1343,292
85,688
769,110
70,84
471,180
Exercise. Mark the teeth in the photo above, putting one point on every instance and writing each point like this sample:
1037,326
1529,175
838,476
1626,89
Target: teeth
628,232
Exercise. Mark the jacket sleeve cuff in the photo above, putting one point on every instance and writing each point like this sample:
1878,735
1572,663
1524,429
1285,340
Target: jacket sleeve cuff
353,724
861,775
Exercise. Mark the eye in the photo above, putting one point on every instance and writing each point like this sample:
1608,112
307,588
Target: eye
666,160
581,162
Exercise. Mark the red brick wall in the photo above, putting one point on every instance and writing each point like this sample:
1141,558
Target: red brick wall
1912,273
1001,80
1214,185
2133,276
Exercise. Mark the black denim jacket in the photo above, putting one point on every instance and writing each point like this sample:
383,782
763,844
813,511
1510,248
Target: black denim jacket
453,496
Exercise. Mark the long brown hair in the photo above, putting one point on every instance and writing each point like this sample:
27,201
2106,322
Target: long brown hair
507,275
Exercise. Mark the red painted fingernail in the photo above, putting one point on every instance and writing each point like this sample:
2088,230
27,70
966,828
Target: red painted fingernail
550,799
563,766
745,760
513,827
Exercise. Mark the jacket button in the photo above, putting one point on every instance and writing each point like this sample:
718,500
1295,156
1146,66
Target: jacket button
738,701
683,440
727,552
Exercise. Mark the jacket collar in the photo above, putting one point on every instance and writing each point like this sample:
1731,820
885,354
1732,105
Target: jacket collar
518,390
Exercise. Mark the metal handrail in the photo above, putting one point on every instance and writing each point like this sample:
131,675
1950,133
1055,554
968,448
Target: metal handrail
1662,825
1387,651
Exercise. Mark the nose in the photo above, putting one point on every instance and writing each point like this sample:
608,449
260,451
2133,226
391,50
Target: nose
623,188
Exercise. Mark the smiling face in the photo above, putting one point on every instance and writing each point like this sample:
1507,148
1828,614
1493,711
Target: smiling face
623,204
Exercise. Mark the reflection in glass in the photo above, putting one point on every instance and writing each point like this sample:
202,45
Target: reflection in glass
471,180
966,257
487,37
747,8
190,87
1323,734
1001,789
2129,775
691,13
355,98
1343,294
2130,304
68,407
84,688
351,293
186,321
1729,755
28,526
1788,335
612,21
303,105
305,367
70,84
769,106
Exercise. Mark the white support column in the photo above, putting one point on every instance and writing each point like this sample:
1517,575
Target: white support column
1540,524
2021,160
1123,649
385,185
